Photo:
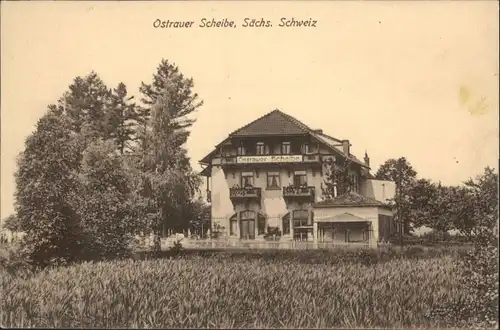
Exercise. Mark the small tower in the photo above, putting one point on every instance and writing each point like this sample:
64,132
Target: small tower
367,159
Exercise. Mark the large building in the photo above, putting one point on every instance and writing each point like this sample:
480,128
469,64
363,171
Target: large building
271,173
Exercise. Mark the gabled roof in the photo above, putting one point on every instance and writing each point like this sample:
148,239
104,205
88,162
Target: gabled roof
273,123
277,122
350,199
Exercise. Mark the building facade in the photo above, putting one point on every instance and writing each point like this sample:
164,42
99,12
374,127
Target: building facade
270,174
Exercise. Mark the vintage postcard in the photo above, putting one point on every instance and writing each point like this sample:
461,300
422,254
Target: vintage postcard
249,164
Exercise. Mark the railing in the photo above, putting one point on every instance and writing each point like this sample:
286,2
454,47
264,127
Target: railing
311,158
228,160
272,245
294,191
248,192
267,159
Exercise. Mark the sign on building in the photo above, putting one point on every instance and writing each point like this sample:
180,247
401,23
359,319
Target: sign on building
269,159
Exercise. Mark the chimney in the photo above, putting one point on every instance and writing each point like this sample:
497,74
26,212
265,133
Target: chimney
345,147
367,159
319,131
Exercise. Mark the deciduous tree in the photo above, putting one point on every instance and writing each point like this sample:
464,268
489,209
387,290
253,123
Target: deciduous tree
475,213
46,182
105,205
11,223
337,181
402,172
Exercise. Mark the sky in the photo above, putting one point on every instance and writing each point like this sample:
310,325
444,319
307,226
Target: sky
413,79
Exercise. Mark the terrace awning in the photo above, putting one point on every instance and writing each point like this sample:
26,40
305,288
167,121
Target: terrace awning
344,217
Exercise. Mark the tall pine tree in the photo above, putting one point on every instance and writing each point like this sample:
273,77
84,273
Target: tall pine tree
168,81
121,118
165,118
85,106
169,182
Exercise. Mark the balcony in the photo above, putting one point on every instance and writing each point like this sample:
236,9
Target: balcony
238,193
306,192
228,160
270,159
311,158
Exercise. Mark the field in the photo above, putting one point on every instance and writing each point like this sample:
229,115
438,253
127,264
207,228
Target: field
229,290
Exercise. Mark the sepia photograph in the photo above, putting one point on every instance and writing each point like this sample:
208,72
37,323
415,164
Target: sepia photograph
249,164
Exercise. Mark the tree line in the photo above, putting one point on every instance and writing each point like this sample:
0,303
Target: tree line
100,169
471,208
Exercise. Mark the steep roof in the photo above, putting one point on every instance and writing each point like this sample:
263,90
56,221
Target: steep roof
277,122
350,199
273,123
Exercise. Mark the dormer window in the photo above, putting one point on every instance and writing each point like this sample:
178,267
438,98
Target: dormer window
285,148
268,149
260,148
241,151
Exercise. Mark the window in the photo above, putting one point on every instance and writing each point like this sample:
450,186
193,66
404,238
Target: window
247,215
260,148
303,234
273,180
305,148
261,224
233,225
286,224
247,224
301,218
354,182
285,148
269,149
241,151
247,179
300,179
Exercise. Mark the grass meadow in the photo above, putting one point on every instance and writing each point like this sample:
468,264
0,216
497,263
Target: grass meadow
310,289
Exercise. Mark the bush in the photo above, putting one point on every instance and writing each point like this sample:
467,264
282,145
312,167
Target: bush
477,305
14,261
176,248
273,234
481,279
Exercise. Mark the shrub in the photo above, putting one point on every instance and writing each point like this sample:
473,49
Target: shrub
477,305
481,279
273,233
176,248
14,261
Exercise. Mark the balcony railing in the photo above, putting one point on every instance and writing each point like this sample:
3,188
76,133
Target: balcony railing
248,192
269,159
228,160
311,158
295,191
